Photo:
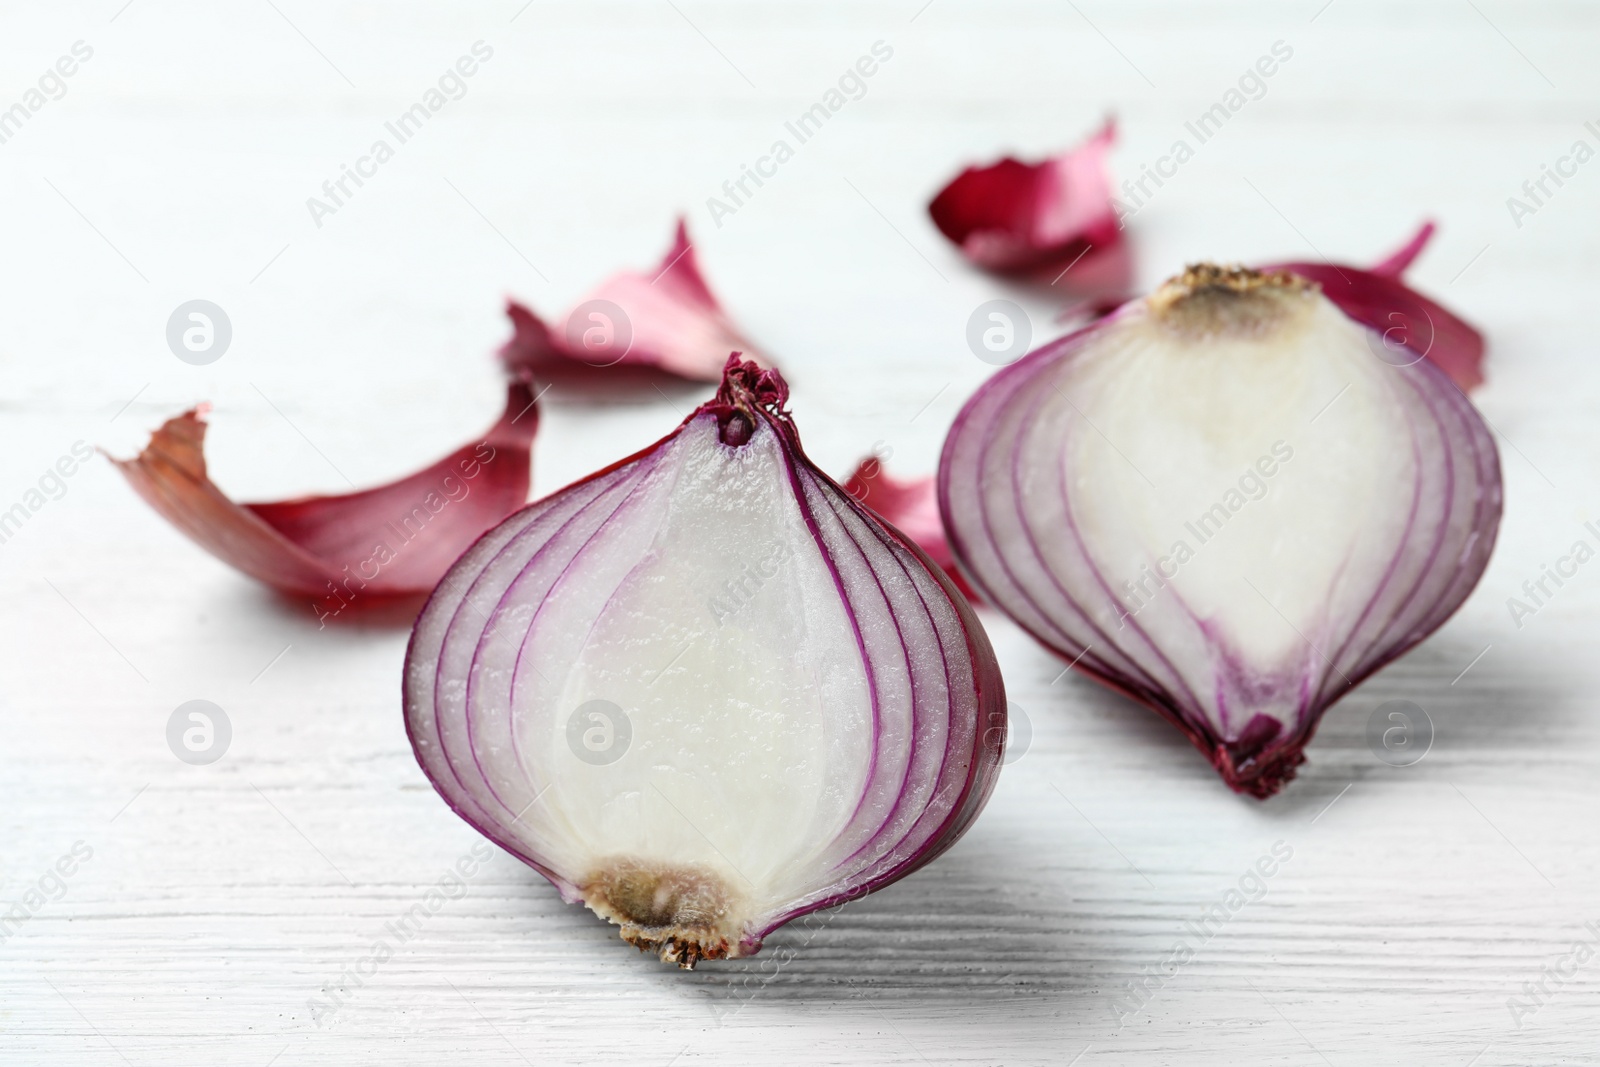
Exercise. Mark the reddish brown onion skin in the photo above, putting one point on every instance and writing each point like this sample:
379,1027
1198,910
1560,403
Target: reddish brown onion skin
1014,217
326,546
1379,298
677,330
747,397
1250,764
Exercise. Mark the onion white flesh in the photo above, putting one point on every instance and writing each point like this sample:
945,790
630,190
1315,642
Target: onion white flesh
810,709
1222,502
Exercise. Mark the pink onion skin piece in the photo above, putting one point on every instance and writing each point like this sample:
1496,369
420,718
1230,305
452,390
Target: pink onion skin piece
1012,216
679,330
550,534
322,544
912,507
976,482
1379,298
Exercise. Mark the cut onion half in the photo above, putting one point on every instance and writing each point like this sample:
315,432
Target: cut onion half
1226,503
703,691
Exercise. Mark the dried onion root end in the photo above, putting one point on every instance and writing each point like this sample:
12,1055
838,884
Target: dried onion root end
1233,301
684,913
1253,765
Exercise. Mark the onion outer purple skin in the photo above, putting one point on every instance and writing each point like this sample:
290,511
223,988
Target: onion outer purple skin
749,401
1250,764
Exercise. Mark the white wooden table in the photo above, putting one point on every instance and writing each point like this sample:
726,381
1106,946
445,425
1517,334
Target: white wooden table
217,901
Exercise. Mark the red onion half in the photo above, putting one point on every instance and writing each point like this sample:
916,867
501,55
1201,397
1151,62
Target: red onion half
1224,502
705,692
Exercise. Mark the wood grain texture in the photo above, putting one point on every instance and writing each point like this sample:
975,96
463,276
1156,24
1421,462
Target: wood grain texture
219,901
